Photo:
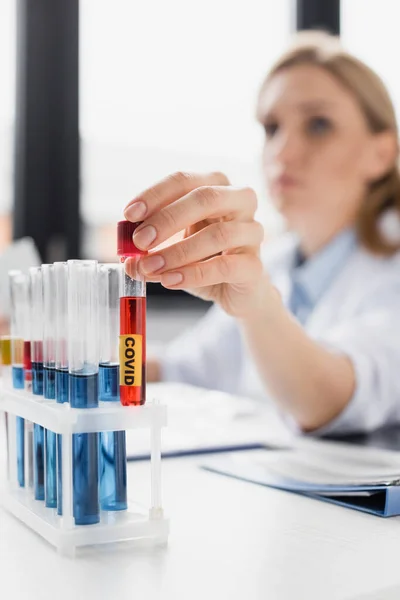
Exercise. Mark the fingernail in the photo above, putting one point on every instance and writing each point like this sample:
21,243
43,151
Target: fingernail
171,278
150,264
136,211
145,236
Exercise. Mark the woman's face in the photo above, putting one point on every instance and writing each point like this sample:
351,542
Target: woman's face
317,153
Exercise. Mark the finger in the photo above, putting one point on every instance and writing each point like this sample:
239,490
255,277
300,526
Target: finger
214,202
228,268
168,190
213,239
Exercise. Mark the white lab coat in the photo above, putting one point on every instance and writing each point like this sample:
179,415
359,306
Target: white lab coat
359,315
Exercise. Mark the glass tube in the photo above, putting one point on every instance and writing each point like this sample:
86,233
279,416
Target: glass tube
132,344
28,429
50,453
5,353
37,323
19,301
49,292
61,359
83,360
6,364
113,484
36,282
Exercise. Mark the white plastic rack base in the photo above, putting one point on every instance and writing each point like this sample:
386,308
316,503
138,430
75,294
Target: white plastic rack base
134,524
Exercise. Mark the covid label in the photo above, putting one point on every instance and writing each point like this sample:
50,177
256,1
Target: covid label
130,360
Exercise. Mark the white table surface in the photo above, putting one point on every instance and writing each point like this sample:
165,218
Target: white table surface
229,540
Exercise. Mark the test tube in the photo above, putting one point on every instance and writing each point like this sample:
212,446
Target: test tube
5,352
49,377
113,492
83,360
61,345
61,355
17,283
28,383
132,339
35,274
19,297
36,282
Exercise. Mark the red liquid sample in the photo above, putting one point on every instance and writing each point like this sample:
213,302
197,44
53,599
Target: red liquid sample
133,321
27,361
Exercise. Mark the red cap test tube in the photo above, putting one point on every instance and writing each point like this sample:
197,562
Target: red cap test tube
132,338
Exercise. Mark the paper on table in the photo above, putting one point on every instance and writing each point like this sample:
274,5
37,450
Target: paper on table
200,419
310,468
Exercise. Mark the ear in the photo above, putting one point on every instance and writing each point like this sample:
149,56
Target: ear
382,155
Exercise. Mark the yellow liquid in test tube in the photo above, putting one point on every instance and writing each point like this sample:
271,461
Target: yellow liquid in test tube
5,350
17,352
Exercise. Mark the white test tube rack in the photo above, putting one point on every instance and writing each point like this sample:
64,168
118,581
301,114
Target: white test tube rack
134,524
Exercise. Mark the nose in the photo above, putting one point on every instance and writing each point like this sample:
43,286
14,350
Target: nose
286,149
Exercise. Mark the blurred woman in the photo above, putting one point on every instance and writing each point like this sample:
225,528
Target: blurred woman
311,322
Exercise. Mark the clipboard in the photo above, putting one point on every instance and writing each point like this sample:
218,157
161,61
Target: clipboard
376,494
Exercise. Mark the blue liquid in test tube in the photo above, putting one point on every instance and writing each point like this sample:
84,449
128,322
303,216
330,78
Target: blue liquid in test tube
19,384
18,380
62,396
83,368
38,461
83,390
62,386
21,451
37,378
19,321
38,434
50,444
108,382
61,360
112,466
49,383
36,306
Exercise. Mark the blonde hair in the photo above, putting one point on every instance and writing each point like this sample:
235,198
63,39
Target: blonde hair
324,50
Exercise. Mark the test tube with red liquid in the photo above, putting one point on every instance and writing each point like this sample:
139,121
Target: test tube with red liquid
132,339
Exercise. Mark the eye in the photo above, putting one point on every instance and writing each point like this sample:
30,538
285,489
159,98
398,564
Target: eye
319,125
270,128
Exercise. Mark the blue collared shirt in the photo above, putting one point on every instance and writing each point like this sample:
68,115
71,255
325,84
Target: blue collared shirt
354,299
311,278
